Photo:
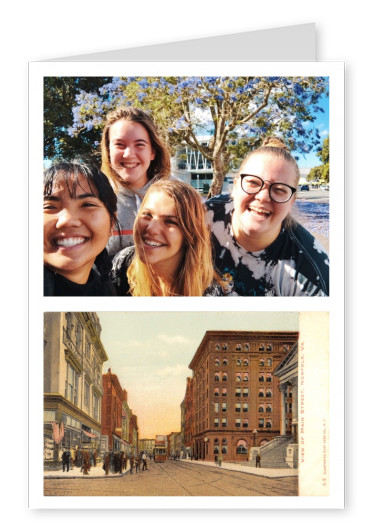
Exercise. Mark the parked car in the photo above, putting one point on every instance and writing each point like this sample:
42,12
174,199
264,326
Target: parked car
304,188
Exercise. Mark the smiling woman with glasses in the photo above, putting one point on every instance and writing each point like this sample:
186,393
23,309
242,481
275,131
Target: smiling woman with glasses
260,249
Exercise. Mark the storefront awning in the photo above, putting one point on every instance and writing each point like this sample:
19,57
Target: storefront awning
90,434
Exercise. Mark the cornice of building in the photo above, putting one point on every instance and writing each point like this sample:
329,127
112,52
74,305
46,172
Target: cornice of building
242,335
58,401
86,321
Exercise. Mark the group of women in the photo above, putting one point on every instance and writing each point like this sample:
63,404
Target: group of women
132,229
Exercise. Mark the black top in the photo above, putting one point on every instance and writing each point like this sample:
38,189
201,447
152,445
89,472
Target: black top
96,286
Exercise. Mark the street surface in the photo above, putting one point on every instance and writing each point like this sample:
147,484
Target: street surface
311,209
175,478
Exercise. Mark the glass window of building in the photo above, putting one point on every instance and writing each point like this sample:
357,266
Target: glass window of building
87,394
224,391
71,385
241,447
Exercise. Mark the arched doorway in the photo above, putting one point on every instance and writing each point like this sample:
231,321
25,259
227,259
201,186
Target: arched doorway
241,450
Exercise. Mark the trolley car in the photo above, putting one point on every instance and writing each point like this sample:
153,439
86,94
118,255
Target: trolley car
160,454
160,449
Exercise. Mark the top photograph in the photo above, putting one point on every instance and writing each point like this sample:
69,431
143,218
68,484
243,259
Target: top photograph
186,186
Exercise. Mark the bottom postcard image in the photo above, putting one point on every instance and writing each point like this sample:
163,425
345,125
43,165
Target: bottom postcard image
185,404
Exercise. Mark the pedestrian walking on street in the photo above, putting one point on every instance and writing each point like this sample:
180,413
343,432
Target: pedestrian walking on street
220,459
78,458
66,460
106,463
137,463
258,460
86,463
144,463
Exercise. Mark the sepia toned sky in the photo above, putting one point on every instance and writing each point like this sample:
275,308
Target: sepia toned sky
150,353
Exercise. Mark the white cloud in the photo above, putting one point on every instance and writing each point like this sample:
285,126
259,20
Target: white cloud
173,340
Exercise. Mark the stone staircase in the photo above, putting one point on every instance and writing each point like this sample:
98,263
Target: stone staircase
273,454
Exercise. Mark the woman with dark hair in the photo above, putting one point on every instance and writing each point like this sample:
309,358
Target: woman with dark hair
79,214
134,157
260,249
172,253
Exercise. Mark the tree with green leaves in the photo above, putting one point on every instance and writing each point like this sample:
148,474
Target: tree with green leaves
321,173
59,98
237,113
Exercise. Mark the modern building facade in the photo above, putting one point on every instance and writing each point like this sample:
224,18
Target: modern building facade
236,399
189,165
73,361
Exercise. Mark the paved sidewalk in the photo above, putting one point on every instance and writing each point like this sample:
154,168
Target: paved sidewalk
98,472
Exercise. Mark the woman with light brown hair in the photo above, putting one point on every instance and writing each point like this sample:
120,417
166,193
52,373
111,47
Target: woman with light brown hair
260,250
172,255
134,156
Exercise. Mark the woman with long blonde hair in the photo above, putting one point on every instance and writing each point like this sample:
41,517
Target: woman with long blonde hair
172,255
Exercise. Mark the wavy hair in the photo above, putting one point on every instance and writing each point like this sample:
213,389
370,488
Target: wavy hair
159,168
196,272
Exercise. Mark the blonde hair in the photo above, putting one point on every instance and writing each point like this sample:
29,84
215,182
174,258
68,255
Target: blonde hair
196,272
274,147
159,168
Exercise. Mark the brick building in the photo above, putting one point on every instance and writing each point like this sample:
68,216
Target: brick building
236,400
119,424
187,427
73,361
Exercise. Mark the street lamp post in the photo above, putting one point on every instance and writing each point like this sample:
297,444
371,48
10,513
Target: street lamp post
206,441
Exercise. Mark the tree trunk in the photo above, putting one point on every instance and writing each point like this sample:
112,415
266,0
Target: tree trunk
220,167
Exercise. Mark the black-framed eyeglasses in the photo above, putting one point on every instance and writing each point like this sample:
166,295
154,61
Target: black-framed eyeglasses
278,192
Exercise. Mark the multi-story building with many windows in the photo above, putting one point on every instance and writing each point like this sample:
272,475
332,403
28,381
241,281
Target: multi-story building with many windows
236,399
117,422
73,361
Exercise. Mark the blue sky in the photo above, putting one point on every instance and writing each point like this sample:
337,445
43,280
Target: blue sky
322,123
